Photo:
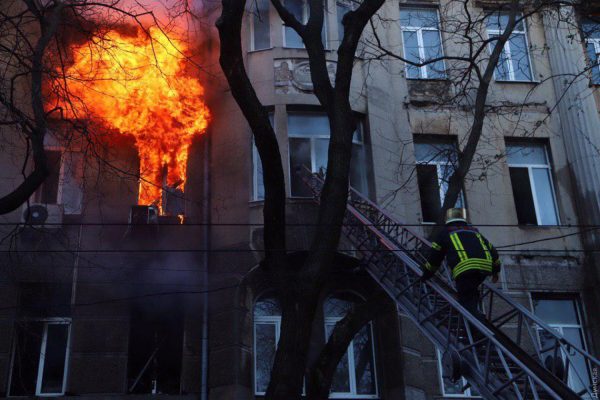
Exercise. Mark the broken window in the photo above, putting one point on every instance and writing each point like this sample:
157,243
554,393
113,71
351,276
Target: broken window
355,375
533,189
309,144
436,160
267,326
156,346
563,315
40,357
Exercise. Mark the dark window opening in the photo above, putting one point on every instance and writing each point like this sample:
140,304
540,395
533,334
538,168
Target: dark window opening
39,358
519,178
49,191
43,300
155,346
429,190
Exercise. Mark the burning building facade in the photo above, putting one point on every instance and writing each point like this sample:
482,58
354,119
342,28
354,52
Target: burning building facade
127,272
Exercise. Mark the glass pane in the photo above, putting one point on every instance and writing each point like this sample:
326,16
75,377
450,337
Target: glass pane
364,363
446,172
591,29
519,178
526,154
411,53
520,57
261,25
308,125
428,152
341,377
265,336
593,55
321,147
433,49
502,68
418,18
579,376
545,197
54,358
260,183
358,173
267,307
556,311
342,9
292,39
26,359
299,158
429,191
499,20
337,307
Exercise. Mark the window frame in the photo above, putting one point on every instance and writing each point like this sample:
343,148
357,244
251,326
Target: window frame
596,43
264,320
41,360
352,394
252,20
305,17
438,168
419,32
357,139
575,299
506,50
530,168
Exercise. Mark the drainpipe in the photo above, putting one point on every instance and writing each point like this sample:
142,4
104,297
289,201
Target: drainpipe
206,234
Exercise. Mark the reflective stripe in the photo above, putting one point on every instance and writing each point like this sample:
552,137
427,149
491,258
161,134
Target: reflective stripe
436,246
472,263
429,267
488,256
460,250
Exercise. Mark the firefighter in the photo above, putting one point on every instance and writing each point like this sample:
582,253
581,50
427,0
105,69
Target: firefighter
469,255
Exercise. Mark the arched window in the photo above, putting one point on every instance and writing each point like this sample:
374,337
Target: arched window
355,376
267,325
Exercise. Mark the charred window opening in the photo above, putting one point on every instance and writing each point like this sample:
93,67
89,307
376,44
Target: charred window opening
156,346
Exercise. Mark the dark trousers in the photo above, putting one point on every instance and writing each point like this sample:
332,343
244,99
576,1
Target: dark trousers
467,286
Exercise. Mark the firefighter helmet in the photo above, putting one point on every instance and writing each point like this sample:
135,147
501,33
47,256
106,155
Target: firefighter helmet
456,214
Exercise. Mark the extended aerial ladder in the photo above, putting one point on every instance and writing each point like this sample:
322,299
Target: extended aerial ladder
502,357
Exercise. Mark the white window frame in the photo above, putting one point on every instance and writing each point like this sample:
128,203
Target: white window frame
264,320
507,52
439,169
305,16
330,322
251,24
596,43
41,361
559,328
255,175
530,168
419,32
356,139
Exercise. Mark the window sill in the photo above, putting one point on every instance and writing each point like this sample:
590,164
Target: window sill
260,50
516,82
428,79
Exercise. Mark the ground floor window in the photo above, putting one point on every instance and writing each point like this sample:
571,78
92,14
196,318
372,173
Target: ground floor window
40,357
563,314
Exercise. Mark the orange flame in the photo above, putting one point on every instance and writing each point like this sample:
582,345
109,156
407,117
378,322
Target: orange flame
138,85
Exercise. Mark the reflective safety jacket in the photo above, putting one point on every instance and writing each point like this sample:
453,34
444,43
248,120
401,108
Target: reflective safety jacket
465,249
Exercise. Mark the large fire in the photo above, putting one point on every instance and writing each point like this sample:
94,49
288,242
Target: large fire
138,85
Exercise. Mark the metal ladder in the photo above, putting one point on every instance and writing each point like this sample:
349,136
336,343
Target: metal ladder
500,357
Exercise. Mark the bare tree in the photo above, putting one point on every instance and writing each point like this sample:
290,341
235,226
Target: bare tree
470,72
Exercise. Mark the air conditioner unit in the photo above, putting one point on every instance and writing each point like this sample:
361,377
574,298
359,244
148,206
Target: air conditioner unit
48,216
143,215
